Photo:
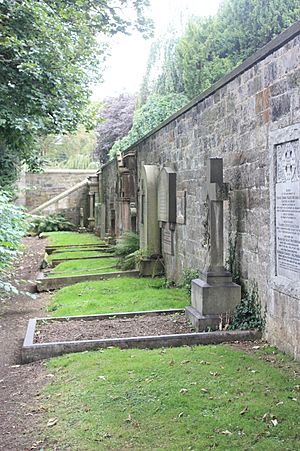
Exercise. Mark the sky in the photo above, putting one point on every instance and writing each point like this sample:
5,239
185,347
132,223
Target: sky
127,63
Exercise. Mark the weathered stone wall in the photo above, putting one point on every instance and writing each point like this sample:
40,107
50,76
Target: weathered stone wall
40,188
44,186
234,120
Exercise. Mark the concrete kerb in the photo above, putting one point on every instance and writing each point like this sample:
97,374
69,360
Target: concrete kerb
53,283
37,351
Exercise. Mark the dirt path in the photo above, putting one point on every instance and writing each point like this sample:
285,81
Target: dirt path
20,384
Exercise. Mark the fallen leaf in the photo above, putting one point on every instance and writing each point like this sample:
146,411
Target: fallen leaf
242,412
51,422
226,432
183,391
184,362
204,390
180,414
255,347
274,422
102,378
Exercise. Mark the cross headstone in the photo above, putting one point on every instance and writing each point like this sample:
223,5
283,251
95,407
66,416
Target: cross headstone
217,192
214,293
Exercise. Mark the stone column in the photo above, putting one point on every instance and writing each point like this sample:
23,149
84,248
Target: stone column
214,293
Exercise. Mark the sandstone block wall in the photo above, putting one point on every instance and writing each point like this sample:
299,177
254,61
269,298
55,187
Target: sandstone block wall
234,120
40,188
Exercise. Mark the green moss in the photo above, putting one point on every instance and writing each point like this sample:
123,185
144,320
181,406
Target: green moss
195,398
116,295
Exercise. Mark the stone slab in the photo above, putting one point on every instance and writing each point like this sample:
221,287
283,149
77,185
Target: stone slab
32,352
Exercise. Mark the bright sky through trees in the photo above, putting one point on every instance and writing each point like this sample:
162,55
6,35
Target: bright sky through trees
126,66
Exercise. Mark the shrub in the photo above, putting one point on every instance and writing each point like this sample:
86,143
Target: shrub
53,223
188,275
13,226
248,314
126,249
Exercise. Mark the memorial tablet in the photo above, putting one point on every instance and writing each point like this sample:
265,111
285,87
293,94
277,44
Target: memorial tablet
287,208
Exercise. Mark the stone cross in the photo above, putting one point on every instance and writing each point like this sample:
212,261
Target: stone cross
217,192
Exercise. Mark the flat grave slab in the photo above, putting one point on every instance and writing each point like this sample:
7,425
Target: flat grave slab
56,262
49,337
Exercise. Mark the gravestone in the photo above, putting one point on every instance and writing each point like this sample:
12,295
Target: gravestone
149,228
167,195
166,208
214,293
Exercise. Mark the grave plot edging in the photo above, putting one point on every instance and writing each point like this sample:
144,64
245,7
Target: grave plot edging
53,283
32,352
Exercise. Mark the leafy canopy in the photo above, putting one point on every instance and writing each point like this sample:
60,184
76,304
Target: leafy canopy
151,114
49,55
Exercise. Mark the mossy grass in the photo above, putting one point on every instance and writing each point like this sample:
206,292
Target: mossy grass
116,295
189,398
71,238
77,267
75,254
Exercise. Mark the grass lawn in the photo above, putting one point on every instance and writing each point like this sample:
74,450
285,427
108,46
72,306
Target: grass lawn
77,267
69,238
75,254
189,398
116,295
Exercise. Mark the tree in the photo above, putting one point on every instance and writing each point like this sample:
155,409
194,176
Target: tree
154,112
213,46
49,55
163,75
116,116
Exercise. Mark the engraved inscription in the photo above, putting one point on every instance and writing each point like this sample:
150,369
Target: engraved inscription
167,241
288,210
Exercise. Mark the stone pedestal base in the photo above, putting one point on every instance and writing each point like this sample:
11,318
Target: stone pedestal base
213,294
82,230
202,323
151,267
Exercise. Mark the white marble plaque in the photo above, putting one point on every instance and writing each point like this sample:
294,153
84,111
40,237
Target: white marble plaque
167,195
287,207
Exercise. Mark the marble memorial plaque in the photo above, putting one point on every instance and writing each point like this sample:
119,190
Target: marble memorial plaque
287,209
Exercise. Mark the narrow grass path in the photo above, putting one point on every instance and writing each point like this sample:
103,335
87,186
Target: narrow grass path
77,267
189,398
71,238
76,254
116,295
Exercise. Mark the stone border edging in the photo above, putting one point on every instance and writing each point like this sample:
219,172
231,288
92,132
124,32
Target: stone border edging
37,351
52,283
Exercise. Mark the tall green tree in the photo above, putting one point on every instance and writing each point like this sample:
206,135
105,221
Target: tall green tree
212,46
49,54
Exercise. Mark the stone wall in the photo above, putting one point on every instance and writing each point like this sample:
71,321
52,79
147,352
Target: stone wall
44,186
235,120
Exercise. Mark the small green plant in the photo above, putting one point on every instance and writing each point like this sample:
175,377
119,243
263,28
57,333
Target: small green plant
248,313
125,249
52,223
188,274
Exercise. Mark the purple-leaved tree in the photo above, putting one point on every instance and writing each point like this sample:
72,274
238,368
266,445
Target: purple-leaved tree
117,115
